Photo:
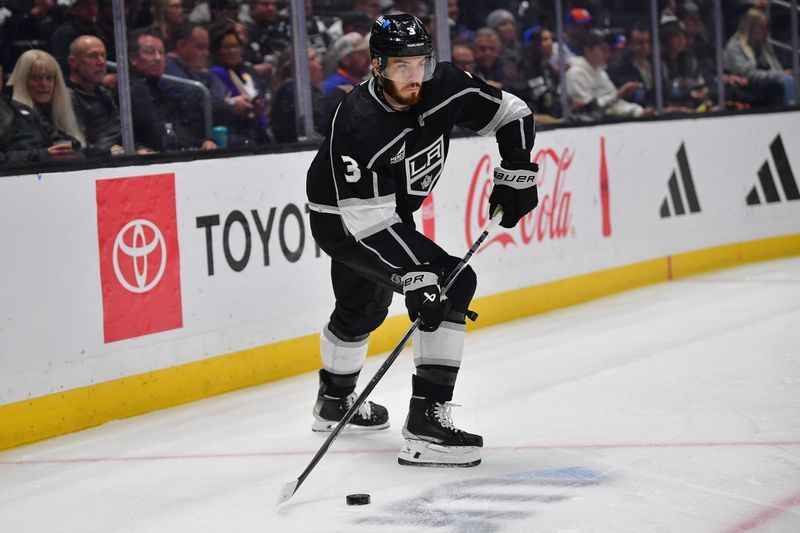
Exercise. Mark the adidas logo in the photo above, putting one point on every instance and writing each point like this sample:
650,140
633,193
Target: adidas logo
767,181
675,189
399,156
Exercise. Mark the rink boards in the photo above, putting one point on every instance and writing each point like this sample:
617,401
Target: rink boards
130,289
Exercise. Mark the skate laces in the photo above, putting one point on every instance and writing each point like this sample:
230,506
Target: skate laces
443,415
364,410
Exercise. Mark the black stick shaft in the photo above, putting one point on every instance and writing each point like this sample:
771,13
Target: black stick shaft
392,356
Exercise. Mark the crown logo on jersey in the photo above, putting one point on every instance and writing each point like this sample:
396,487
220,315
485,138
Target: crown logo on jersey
400,155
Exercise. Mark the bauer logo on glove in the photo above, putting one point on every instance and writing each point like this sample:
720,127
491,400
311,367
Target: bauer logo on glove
518,180
423,297
514,188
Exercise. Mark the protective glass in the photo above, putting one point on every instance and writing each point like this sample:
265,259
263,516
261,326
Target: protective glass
409,69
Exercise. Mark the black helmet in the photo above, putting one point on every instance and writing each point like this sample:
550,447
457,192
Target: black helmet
399,36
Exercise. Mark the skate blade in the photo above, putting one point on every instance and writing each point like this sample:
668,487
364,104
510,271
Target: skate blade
415,452
326,426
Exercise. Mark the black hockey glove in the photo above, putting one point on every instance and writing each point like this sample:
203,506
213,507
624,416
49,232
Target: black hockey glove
514,189
423,297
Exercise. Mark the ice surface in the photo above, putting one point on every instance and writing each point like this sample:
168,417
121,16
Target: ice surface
673,408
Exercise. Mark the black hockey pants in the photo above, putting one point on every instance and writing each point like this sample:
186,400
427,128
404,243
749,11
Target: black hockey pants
363,285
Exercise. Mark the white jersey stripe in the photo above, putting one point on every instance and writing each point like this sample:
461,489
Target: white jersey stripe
330,150
390,143
373,250
404,245
365,217
511,108
459,94
371,87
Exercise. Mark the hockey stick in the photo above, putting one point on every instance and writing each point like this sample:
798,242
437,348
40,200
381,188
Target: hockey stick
289,488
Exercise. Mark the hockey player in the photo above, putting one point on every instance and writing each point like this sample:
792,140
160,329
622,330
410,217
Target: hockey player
382,156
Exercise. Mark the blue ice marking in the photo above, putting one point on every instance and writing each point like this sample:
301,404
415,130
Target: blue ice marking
568,473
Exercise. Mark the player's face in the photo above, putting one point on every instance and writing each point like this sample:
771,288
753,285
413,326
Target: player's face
403,77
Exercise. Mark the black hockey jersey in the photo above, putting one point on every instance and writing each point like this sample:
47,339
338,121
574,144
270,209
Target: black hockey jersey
376,165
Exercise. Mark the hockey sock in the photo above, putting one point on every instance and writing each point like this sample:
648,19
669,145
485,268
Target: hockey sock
434,382
337,385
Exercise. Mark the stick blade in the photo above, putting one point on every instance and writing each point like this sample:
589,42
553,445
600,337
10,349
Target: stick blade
287,491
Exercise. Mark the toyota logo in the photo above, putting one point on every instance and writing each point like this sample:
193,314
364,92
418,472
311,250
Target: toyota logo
135,244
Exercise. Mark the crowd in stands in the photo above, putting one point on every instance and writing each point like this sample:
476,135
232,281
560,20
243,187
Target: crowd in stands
60,97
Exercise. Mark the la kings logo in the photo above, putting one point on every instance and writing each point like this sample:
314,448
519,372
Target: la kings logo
424,168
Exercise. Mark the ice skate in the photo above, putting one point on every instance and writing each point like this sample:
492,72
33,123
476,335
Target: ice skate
328,412
432,440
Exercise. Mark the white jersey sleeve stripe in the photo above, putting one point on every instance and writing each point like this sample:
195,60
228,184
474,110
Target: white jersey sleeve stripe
459,94
373,250
511,108
404,246
390,143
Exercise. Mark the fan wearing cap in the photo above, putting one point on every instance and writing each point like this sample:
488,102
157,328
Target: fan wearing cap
352,54
577,22
384,152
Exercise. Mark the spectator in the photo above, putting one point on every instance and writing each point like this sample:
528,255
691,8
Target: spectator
542,93
152,109
93,103
504,24
634,65
283,125
685,87
357,22
489,64
590,89
321,32
46,127
352,53
249,55
210,11
188,53
12,124
414,7
749,54
167,17
268,33
372,8
240,81
82,21
698,38
464,58
26,29
577,23
459,32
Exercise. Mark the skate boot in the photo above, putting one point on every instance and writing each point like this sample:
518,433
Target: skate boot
329,409
433,440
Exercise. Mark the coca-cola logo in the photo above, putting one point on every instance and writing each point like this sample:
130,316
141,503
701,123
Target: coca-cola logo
549,221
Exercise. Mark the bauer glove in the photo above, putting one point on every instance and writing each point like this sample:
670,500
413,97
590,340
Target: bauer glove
423,297
514,188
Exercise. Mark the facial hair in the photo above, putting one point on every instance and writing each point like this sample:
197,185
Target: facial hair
390,88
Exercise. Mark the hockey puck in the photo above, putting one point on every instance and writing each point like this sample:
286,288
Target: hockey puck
357,499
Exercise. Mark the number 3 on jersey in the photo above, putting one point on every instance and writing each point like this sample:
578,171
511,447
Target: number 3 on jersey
351,171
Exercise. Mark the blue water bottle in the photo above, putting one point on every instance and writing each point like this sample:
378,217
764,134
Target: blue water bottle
220,136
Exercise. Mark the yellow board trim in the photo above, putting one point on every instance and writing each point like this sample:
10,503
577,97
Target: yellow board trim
73,410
